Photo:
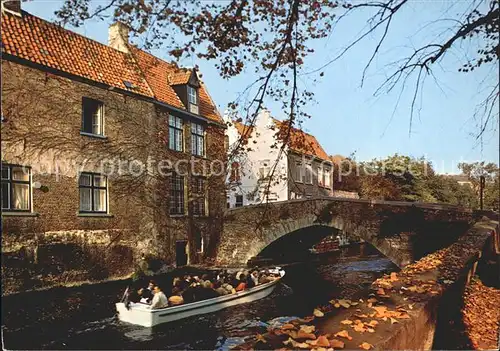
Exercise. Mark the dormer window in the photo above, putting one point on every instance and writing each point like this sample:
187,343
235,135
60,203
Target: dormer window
192,99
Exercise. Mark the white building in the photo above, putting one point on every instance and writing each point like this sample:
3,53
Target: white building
302,170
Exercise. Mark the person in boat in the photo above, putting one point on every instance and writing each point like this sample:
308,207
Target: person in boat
265,278
176,298
159,299
255,277
205,291
249,282
242,284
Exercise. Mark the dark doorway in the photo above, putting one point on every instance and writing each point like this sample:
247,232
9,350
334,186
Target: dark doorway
181,257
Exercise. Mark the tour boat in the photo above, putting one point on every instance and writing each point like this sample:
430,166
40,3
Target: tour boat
141,314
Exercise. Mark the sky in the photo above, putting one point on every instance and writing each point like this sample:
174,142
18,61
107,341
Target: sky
348,119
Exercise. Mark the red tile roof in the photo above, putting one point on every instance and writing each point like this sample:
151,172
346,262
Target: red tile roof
34,39
159,73
300,141
31,38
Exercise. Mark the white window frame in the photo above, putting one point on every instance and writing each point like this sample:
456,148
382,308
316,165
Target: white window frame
192,95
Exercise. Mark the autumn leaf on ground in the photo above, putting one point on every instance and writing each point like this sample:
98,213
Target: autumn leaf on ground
307,328
410,306
337,344
404,316
373,323
361,315
307,319
346,321
393,320
370,330
365,346
360,327
260,338
381,311
287,326
380,291
295,344
394,277
303,335
318,313
344,334
344,303
321,341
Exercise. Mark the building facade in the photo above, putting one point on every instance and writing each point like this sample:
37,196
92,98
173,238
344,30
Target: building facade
262,173
105,145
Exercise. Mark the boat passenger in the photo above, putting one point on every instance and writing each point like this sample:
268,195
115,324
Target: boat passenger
159,299
242,284
255,277
249,282
176,298
264,278
206,291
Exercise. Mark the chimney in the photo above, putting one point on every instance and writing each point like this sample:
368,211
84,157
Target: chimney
118,36
12,6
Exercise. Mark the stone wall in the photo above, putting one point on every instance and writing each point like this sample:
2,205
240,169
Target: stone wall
401,231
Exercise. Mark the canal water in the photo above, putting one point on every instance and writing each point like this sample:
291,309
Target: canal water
84,318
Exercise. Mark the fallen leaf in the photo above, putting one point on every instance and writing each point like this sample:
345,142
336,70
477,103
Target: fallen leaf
360,327
365,346
393,320
344,303
343,334
322,341
307,328
373,323
337,305
295,344
394,277
410,306
261,338
318,313
303,335
361,315
404,316
346,321
354,303
337,344
380,291
307,319
287,326
370,330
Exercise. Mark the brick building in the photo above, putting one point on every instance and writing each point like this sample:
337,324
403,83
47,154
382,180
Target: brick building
105,144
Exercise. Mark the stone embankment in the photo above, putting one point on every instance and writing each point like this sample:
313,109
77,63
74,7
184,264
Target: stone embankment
401,312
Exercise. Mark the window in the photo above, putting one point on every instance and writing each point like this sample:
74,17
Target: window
16,188
175,133
177,195
192,95
264,170
328,178
235,172
239,201
308,174
198,195
93,116
321,177
192,99
197,139
299,172
93,192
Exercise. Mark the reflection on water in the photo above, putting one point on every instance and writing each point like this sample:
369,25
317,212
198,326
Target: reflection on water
93,324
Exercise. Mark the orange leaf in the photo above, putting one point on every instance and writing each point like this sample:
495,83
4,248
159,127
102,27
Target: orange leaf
394,277
370,330
359,328
393,320
380,291
318,313
322,341
337,344
343,334
365,346
287,326
261,338
346,321
303,335
307,328
373,323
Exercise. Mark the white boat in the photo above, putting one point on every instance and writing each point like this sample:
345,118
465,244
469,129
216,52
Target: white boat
141,314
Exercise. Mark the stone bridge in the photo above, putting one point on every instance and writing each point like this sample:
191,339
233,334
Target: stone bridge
402,231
